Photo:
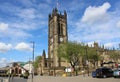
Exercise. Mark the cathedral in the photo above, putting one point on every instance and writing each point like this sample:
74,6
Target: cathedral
57,34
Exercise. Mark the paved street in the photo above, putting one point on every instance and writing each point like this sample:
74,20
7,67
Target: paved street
62,79
72,79
15,79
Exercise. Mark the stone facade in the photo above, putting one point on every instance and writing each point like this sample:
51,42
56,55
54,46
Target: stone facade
57,34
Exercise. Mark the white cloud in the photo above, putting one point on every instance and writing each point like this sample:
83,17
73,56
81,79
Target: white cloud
27,13
91,44
13,32
109,44
93,14
3,62
118,24
49,1
26,3
5,47
3,26
93,27
23,47
25,25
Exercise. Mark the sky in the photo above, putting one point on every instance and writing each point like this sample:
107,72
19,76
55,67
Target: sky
26,21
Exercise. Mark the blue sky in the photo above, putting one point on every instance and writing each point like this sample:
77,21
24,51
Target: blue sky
23,21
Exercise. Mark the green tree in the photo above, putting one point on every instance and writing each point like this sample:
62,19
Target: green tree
71,51
93,56
37,61
115,55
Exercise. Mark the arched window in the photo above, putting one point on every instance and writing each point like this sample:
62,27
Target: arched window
16,70
60,29
12,71
20,71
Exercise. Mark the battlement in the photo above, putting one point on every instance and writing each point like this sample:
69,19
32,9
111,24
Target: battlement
58,14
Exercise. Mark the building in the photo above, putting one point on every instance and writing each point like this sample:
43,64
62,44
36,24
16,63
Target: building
57,34
4,71
15,68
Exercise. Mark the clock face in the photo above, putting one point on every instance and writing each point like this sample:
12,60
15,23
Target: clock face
61,39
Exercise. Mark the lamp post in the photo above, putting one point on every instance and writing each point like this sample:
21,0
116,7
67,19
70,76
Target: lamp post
33,46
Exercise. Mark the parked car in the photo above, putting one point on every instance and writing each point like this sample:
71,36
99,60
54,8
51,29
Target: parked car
94,74
104,72
116,73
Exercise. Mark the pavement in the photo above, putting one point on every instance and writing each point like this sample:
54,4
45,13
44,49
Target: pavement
14,79
79,78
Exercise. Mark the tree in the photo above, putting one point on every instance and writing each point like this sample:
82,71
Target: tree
114,55
37,61
93,56
71,51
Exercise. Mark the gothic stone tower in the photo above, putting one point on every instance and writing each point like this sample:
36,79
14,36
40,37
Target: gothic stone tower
57,35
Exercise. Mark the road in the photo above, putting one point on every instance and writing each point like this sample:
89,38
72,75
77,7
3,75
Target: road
72,79
62,79
15,79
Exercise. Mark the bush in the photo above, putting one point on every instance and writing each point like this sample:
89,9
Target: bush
25,75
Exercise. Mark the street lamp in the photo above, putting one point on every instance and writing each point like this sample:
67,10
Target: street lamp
33,45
